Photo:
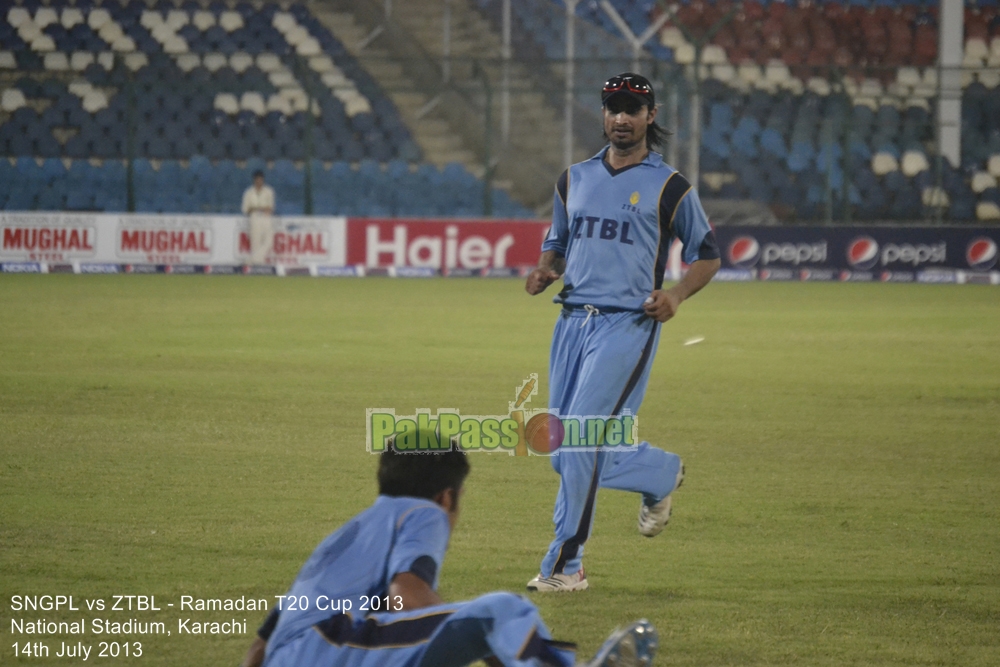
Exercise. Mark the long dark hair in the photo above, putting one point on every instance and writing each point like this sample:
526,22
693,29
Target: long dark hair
656,135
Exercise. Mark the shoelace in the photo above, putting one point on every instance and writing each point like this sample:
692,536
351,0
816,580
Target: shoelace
591,311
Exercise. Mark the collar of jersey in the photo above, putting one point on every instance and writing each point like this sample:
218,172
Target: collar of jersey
652,158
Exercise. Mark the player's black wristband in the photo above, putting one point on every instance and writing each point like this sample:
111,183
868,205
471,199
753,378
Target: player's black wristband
265,630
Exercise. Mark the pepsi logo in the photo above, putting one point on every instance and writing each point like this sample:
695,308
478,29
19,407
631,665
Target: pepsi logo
744,252
981,253
862,253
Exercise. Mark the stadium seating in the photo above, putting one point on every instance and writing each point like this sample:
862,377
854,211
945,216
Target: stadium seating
201,95
772,107
224,83
396,188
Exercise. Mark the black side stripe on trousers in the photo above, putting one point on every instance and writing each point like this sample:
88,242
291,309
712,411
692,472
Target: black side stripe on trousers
571,547
341,630
542,649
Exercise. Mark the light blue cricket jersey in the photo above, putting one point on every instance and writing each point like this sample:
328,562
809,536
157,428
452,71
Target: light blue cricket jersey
614,227
359,561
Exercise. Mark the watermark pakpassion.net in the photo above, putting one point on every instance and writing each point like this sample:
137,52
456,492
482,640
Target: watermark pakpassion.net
522,431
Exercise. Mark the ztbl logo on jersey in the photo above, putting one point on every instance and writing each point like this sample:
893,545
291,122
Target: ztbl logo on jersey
862,253
744,252
981,253
634,199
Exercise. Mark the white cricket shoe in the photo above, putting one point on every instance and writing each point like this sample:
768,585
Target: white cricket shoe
559,582
653,518
633,646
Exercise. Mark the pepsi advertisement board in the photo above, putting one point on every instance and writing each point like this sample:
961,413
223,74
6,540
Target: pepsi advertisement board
860,253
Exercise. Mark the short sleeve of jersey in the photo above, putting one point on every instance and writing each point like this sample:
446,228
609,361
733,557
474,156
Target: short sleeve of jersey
422,531
691,227
558,235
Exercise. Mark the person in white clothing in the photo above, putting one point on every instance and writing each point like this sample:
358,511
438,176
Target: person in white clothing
258,205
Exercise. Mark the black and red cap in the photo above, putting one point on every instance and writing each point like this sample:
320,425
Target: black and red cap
631,84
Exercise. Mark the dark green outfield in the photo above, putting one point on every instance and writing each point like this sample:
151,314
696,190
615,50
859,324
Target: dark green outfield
198,436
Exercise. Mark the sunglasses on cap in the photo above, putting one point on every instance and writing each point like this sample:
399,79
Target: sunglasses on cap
618,83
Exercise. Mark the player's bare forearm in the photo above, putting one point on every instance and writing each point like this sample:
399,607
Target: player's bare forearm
413,592
551,265
663,304
255,656
698,275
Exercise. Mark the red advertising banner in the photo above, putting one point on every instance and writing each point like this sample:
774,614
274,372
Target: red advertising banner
444,244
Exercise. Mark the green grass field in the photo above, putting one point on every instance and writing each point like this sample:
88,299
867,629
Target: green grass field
198,436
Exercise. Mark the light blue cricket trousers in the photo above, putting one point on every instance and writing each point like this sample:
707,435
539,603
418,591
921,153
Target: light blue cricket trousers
599,366
499,624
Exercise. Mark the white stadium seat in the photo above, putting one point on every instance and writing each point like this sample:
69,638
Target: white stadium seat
123,44
43,44
990,77
252,101
97,18
110,31
987,210
913,162
80,87
188,61
354,102
7,60
749,73
177,19
935,196
818,85
777,72
309,48
135,61
56,61
982,180
174,45
150,19
71,16
296,97
29,31
713,54
908,76
335,80
321,64
227,102
268,62
993,165
724,73
672,36
684,54
12,99
884,163
869,102
213,62
94,101
282,79
18,15
203,20
106,59
240,61
296,35
279,104
283,22
230,21
162,33
80,60
46,16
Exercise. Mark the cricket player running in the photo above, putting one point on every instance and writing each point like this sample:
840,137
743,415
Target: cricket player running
615,216
367,597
